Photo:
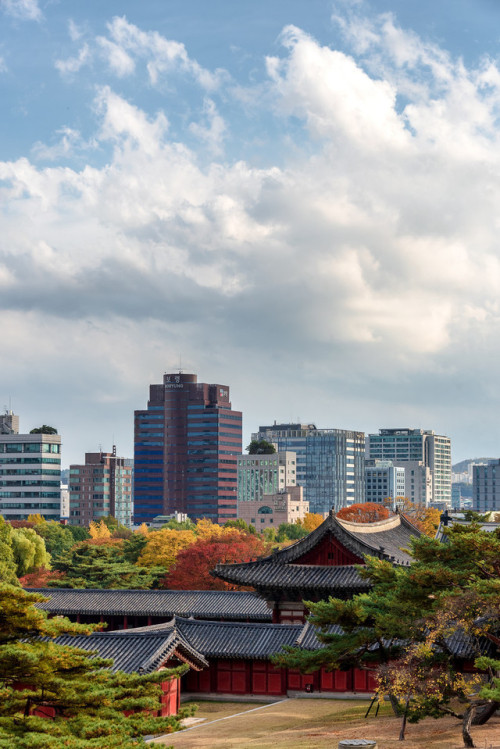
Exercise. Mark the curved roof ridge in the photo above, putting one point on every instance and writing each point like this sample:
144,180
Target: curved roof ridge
379,525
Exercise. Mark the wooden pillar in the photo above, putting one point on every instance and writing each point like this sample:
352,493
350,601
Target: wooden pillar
125,622
149,621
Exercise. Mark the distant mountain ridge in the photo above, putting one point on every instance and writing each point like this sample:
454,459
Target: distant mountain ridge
464,464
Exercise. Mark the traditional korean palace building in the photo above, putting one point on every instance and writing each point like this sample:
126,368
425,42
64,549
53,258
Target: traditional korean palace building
229,637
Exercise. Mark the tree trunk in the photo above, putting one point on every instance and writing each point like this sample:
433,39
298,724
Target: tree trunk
395,705
467,722
484,713
403,723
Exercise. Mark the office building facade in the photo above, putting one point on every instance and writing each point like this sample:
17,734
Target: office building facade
100,487
330,462
30,474
404,446
485,487
265,474
186,448
384,481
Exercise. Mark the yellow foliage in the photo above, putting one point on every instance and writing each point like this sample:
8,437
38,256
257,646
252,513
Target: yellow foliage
99,530
143,528
36,519
205,529
312,520
163,546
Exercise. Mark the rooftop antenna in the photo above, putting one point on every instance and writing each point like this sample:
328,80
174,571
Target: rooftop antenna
180,363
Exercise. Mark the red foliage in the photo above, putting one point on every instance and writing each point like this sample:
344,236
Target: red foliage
40,578
21,524
193,565
367,512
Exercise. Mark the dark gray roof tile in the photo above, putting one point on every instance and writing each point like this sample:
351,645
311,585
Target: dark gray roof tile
207,604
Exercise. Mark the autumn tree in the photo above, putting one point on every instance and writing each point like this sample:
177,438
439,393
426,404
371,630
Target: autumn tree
194,564
426,519
163,546
311,521
56,696
365,512
99,529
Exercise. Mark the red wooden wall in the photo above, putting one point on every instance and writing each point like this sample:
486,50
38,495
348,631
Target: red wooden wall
231,676
329,552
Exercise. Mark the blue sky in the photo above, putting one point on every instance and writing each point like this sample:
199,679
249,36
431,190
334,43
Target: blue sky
300,199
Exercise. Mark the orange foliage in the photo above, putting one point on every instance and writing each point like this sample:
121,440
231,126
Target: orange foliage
366,512
193,564
40,578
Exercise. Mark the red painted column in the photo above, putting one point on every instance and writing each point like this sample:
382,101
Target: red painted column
124,622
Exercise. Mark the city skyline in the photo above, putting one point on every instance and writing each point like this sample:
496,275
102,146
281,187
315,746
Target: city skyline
300,196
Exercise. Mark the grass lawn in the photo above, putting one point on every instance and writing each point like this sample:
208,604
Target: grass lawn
317,724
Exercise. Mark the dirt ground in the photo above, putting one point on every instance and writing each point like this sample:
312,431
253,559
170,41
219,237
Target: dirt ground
317,724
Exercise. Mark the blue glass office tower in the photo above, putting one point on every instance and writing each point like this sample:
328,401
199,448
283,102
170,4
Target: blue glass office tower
186,445
330,462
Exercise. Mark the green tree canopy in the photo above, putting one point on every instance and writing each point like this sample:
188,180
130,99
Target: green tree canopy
58,538
102,565
29,550
261,447
90,701
78,532
44,429
7,562
291,532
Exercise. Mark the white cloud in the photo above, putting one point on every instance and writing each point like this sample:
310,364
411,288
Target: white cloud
163,56
371,250
214,131
73,64
23,10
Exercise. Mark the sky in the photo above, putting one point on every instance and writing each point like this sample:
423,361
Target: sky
296,199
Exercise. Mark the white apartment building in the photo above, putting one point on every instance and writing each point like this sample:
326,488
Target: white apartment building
30,476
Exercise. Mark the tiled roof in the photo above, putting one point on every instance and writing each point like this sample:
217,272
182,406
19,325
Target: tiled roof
229,639
308,638
383,539
208,604
145,651
301,577
386,539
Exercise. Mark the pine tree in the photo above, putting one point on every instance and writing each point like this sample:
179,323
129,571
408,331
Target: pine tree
55,696
407,623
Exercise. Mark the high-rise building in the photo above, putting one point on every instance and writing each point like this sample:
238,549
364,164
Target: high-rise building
186,444
265,474
330,462
384,480
403,446
485,488
100,487
30,473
